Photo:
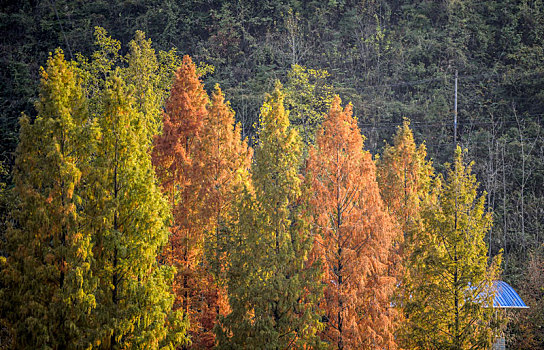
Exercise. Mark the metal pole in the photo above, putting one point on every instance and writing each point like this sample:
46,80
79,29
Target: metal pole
455,114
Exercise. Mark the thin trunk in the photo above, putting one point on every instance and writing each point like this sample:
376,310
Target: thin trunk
504,211
340,268
457,339
186,294
63,237
185,277
217,267
522,187
523,179
491,170
185,304
63,228
115,277
172,236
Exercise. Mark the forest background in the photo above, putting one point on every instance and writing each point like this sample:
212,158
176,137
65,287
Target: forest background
391,59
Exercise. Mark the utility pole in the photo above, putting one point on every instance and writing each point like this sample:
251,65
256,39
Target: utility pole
455,114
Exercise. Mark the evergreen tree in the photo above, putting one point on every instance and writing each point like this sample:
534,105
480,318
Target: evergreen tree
356,237
450,306
129,217
148,72
233,328
81,263
272,288
151,77
47,293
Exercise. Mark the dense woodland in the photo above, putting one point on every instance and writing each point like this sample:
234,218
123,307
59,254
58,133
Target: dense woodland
150,201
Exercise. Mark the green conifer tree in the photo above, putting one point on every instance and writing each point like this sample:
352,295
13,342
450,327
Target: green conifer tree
129,223
272,289
451,306
144,74
47,292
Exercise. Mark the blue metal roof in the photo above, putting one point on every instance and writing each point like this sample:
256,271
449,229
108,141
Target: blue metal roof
506,296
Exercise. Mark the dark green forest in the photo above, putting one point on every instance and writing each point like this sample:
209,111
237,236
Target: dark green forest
391,59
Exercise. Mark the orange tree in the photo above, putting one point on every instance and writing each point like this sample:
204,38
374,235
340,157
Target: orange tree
355,236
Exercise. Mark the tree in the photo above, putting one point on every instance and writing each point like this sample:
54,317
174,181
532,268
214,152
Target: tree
404,177
81,266
450,307
151,75
180,176
128,217
223,162
272,288
355,236
525,328
48,288
308,97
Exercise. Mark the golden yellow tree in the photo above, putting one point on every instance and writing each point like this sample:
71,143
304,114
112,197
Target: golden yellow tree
449,305
272,288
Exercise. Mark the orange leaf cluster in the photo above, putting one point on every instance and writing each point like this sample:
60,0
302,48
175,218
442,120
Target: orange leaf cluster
200,161
355,236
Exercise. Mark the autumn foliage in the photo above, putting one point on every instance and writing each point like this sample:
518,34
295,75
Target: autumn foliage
404,177
201,161
222,163
49,252
355,236
81,268
144,220
175,166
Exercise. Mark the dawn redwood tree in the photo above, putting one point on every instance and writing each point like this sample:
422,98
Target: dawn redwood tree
47,286
81,267
449,307
355,237
404,176
271,285
233,328
144,73
180,176
128,216
222,161
125,98
147,72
